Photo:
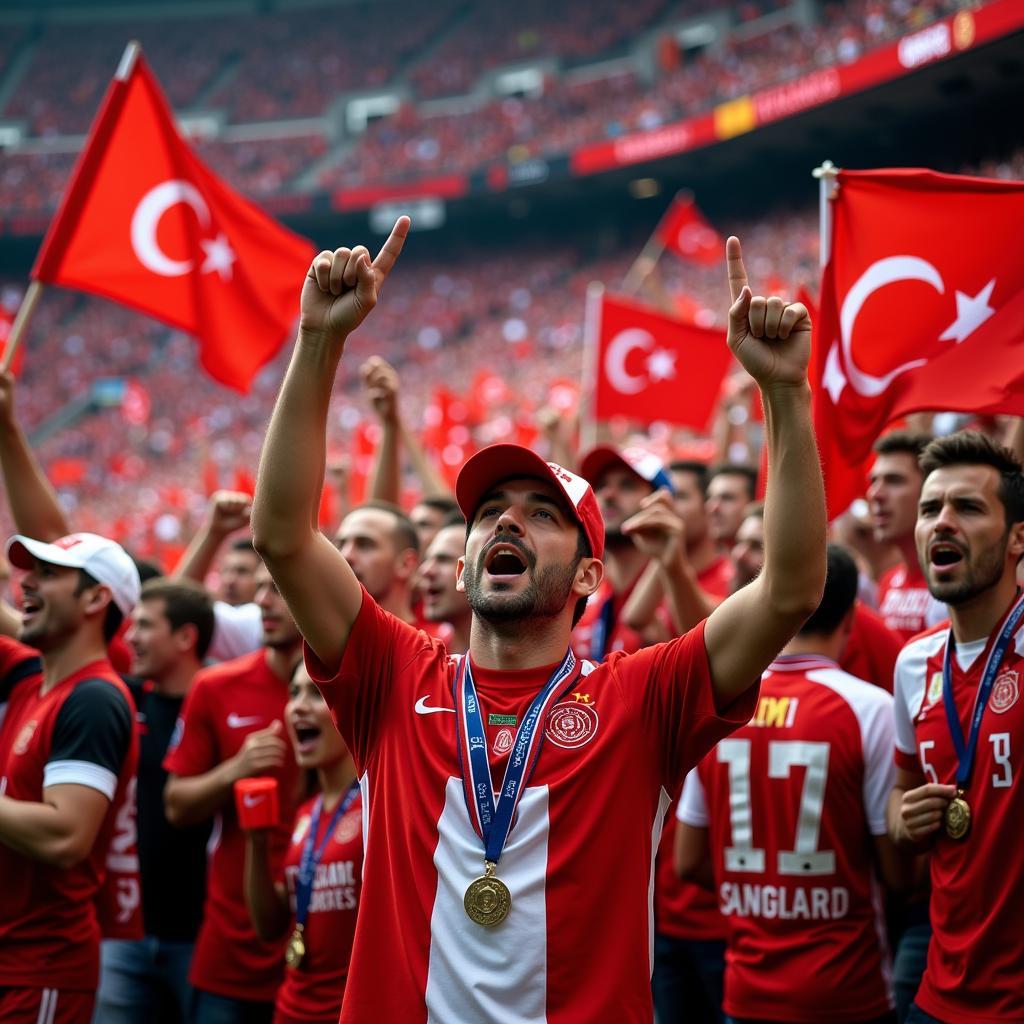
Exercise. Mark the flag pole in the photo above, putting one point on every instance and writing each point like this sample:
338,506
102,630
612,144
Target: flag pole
645,263
591,334
828,185
25,310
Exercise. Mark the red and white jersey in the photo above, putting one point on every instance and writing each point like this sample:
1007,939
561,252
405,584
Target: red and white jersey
579,861
905,603
791,802
225,703
80,732
682,909
312,992
976,956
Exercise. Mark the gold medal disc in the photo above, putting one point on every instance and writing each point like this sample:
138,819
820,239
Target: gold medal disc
296,949
957,818
487,900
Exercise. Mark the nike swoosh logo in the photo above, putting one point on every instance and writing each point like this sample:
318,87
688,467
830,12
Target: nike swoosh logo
250,800
238,722
422,708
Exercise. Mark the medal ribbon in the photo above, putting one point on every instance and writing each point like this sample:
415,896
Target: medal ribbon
311,856
965,750
492,816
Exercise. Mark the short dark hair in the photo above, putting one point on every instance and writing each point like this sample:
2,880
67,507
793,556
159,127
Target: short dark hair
840,593
186,603
440,503
972,448
114,616
736,469
454,518
244,544
405,532
698,470
902,442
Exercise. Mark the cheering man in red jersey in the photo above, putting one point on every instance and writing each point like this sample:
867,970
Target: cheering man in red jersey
68,756
792,810
960,732
230,729
464,916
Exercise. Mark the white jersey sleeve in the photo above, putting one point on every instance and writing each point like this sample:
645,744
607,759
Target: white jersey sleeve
693,804
236,631
910,687
877,736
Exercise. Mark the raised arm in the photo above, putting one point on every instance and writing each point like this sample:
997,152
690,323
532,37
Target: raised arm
380,382
322,593
34,505
227,512
772,340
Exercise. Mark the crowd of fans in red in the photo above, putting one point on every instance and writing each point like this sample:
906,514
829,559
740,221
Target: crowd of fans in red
514,311
204,64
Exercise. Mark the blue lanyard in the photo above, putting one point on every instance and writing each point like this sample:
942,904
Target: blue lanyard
965,750
311,856
492,817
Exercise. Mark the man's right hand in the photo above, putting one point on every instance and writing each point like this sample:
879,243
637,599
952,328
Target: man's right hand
342,287
262,751
921,812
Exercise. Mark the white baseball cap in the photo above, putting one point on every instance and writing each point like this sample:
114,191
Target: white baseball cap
104,560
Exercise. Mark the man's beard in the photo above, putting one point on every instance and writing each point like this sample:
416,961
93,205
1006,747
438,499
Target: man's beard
544,597
985,574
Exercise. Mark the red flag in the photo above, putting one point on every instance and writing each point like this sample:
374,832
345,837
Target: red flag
651,367
684,230
922,308
145,223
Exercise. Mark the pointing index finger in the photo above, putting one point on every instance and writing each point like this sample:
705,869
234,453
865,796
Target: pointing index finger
391,249
734,263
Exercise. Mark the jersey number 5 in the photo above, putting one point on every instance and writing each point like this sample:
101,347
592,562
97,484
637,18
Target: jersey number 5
805,858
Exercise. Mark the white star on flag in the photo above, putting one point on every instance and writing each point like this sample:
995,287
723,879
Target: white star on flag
971,313
219,256
834,379
661,364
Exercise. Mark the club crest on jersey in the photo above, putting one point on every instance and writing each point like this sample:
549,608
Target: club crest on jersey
934,694
24,737
349,827
1005,692
572,723
503,742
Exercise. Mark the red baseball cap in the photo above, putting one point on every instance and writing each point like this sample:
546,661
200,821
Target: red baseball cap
638,461
499,462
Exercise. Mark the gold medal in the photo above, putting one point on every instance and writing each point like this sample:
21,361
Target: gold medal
296,949
487,900
957,818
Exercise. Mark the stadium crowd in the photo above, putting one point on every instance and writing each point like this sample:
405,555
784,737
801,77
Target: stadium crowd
209,67
236,736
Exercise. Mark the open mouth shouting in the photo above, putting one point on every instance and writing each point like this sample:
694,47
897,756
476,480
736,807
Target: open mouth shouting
31,606
943,555
504,562
307,735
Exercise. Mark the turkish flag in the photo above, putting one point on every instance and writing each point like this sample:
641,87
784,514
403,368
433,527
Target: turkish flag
650,367
145,223
922,309
684,230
